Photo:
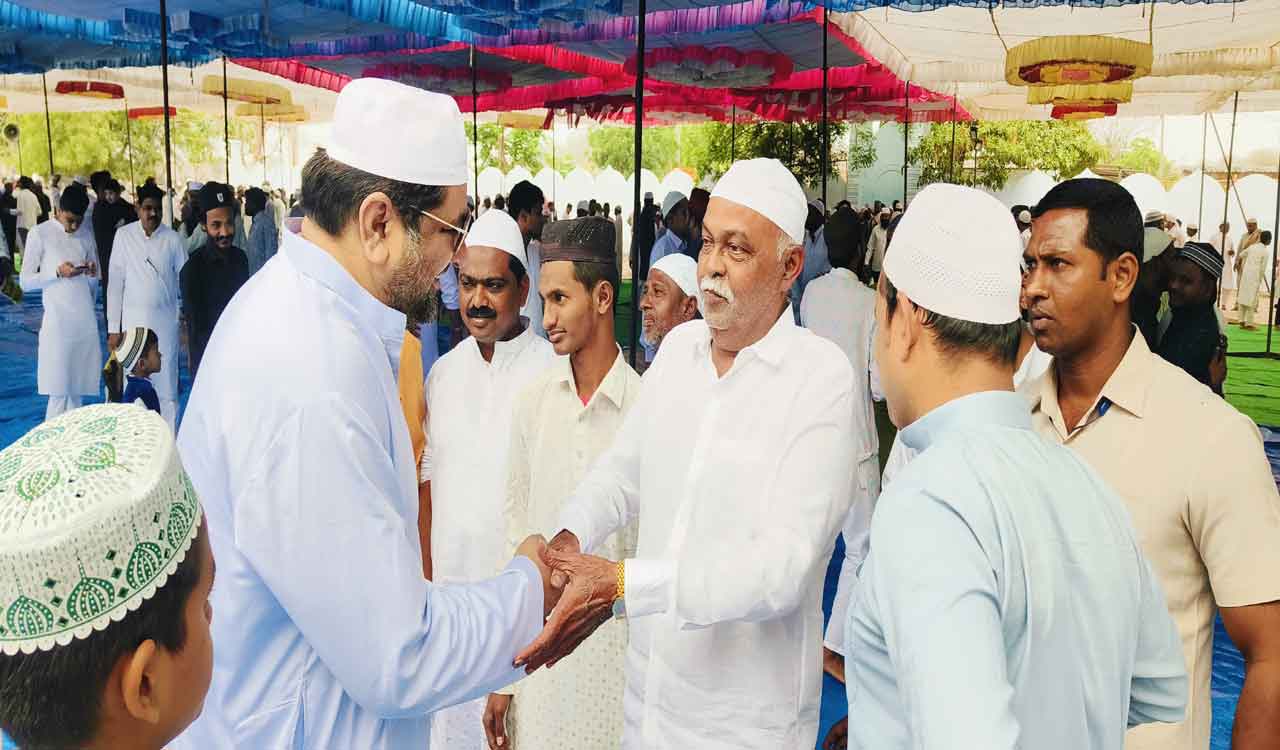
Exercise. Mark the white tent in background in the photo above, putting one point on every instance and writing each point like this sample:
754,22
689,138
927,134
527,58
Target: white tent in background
1087,174
1258,196
514,177
579,185
552,184
1185,203
649,184
1027,190
490,183
613,188
1147,192
677,180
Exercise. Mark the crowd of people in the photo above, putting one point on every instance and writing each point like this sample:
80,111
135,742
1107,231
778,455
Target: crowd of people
530,544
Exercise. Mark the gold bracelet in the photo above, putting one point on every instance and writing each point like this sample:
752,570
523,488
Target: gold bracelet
621,591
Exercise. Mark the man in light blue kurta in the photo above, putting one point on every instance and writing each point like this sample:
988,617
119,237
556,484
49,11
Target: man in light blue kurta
1005,602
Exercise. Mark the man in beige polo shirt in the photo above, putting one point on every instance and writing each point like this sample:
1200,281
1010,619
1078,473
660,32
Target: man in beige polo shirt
1190,467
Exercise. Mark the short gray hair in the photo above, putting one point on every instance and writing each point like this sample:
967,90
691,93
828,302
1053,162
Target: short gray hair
785,243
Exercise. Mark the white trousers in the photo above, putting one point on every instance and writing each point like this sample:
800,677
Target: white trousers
59,405
460,727
169,410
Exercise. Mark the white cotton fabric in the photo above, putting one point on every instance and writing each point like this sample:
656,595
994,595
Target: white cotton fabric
496,229
69,357
681,269
767,187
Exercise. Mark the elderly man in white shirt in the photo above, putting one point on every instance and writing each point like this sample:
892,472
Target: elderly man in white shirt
563,421
735,460
143,289
470,394
329,637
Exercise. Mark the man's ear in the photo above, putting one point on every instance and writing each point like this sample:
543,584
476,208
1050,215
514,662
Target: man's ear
139,678
603,297
690,307
1122,274
373,225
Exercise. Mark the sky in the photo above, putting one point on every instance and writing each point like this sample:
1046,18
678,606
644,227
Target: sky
1255,132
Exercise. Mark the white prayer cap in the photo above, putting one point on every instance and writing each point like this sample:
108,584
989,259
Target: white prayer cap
818,205
498,230
671,201
132,344
1153,215
886,211
681,269
399,132
1251,220
82,180
956,252
96,513
194,186
648,195
1193,227
1024,216
584,205
768,188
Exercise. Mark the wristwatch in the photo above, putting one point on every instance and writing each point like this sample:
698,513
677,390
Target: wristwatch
620,596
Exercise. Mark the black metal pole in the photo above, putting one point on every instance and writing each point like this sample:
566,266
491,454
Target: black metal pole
226,119
951,164
48,124
1226,201
1275,242
637,282
733,135
1204,143
475,129
128,140
826,134
906,140
262,121
164,81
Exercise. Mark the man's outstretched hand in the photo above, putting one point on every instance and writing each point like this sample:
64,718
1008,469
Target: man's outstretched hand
565,541
585,604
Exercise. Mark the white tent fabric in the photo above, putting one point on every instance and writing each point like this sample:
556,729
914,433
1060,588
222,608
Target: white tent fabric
676,180
613,188
1203,52
1147,192
1027,190
1186,204
490,183
552,184
649,184
1257,194
517,175
579,185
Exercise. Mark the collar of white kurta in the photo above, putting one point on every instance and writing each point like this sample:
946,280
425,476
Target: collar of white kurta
613,387
771,348
161,232
505,352
1126,388
317,264
96,513
1000,408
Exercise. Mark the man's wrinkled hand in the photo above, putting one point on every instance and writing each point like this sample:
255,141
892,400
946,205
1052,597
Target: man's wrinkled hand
585,604
533,548
565,541
495,721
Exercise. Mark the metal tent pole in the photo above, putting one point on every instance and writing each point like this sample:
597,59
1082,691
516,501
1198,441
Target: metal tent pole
1204,143
733,135
226,119
164,80
128,140
906,140
1226,201
951,163
636,281
48,124
475,129
1275,242
826,134
262,121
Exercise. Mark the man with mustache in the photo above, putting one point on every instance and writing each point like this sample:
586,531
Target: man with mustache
328,635
470,392
214,273
735,460
1190,468
563,421
670,298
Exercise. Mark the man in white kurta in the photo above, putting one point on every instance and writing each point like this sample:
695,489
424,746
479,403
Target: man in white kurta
142,290
840,308
328,636
470,394
878,242
735,461
1226,247
562,423
1251,264
60,260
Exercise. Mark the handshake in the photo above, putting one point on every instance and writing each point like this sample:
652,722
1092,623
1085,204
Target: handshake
578,595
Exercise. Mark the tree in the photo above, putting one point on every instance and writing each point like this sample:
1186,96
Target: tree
507,148
614,146
1060,148
799,146
1141,155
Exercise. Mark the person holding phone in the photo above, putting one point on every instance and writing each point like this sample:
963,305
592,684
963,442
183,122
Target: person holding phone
60,261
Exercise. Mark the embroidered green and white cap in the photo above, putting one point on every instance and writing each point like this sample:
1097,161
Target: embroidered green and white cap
96,512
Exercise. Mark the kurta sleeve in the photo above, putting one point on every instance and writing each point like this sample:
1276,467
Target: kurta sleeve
1158,689
809,499
941,619
399,645
115,286
36,274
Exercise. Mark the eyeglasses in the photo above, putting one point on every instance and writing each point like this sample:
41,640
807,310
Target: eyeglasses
460,231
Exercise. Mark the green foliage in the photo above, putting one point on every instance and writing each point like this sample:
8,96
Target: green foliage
85,142
614,146
1141,155
507,148
1060,148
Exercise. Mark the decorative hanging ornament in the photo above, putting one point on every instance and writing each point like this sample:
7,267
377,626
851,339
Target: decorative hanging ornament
150,113
451,81
1055,60
273,112
92,89
718,67
1083,112
245,90
1095,94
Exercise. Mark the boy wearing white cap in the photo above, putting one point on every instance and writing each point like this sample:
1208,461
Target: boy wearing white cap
735,461
328,634
104,639
470,394
978,617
